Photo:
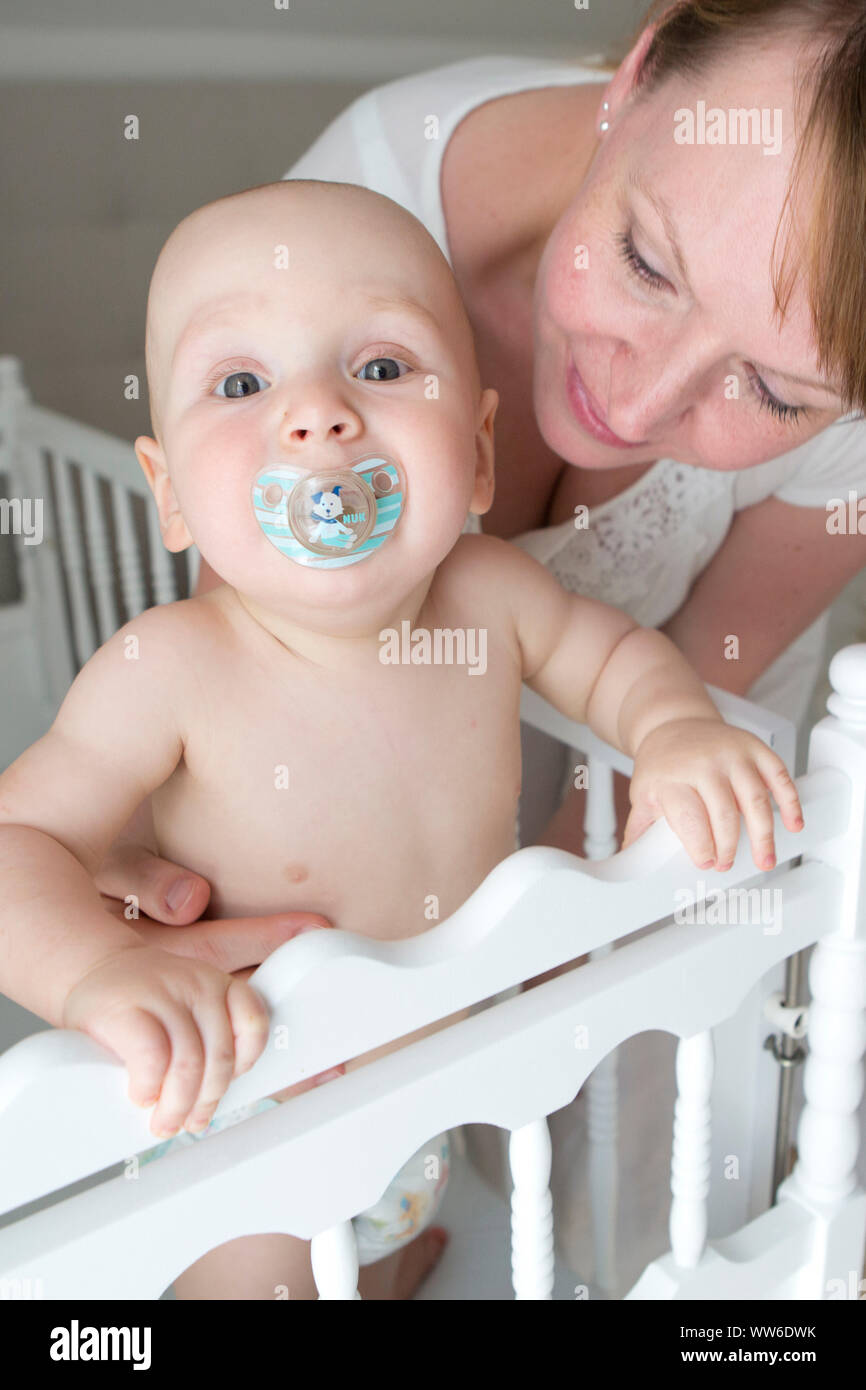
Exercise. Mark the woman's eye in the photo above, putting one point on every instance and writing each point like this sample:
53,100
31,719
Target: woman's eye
637,264
789,413
382,369
239,384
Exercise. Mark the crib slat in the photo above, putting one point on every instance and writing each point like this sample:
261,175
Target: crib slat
334,1254
599,824
72,549
101,572
193,563
129,557
164,588
602,1087
46,578
532,1260
603,1133
690,1161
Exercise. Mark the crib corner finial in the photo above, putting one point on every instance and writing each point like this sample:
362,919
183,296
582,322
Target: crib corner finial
12,378
848,678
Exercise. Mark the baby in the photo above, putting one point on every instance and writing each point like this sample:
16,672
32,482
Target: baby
321,436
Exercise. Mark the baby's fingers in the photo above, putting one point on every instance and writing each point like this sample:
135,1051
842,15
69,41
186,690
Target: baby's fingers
755,803
142,1044
250,1023
640,818
783,788
687,816
212,1016
183,1079
724,814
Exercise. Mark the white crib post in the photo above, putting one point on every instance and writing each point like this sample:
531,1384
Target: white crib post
828,1134
690,1160
602,1086
334,1255
532,1260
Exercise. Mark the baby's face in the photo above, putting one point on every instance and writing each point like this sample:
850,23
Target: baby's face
310,330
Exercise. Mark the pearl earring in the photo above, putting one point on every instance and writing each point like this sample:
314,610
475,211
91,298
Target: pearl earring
605,125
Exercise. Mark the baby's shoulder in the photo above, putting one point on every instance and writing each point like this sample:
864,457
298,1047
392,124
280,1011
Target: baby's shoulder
482,580
485,556
488,562
163,645
166,624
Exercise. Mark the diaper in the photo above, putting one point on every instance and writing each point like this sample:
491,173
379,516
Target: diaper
406,1207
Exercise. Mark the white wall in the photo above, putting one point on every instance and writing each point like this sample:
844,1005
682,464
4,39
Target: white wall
323,39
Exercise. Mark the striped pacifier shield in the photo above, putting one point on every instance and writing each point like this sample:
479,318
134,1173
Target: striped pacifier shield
331,518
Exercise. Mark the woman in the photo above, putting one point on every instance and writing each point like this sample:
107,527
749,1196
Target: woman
614,243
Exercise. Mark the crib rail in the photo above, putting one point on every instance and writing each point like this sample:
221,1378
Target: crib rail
509,1065
776,731
312,986
342,1142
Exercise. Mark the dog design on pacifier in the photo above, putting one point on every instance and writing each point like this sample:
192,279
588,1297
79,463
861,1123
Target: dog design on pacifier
333,517
327,528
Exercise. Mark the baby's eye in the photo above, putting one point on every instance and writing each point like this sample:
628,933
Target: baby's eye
382,369
239,384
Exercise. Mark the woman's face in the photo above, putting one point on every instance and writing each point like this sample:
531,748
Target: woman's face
679,355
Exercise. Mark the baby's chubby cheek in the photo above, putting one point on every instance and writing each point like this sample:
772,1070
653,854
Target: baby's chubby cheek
219,516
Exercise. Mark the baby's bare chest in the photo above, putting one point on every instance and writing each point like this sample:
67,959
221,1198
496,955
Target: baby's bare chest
366,797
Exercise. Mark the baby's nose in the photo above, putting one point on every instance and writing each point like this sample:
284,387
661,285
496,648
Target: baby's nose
318,418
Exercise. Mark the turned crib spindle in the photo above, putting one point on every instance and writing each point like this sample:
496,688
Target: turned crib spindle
602,1087
690,1160
529,1154
334,1255
828,1133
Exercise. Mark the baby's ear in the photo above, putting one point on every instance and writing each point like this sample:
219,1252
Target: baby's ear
175,535
482,495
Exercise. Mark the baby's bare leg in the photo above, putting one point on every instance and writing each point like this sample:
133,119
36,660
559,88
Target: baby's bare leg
251,1267
279,1267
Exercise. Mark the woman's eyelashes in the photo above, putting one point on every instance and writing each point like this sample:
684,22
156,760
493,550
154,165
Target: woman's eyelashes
654,281
789,413
239,382
637,264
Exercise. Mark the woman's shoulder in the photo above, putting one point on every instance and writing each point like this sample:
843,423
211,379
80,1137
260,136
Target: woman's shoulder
393,137
814,473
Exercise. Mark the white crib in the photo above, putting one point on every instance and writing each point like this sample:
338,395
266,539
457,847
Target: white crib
518,1058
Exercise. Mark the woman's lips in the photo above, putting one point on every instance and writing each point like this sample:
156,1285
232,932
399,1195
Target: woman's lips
586,414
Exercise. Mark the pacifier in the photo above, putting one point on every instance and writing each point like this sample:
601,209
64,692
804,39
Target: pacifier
334,517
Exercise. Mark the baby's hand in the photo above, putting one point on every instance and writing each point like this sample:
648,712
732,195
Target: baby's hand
183,1028
700,774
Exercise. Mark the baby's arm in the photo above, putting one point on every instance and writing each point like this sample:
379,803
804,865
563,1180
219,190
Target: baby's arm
119,734
635,690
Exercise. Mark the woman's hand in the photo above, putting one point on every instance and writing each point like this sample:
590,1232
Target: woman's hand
700,774
164,904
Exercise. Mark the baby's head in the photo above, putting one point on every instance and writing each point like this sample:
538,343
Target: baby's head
295,330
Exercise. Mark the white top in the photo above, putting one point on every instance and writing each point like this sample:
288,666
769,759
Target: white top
644,548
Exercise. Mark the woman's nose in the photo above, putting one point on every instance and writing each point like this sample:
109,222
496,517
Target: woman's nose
648,396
